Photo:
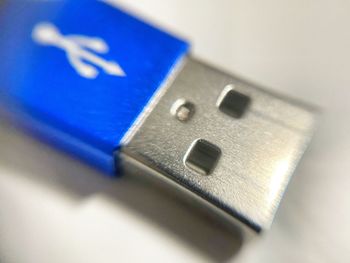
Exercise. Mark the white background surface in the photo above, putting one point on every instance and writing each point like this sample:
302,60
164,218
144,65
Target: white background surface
55,209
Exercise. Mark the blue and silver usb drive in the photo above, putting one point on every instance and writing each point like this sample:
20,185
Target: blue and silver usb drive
117,92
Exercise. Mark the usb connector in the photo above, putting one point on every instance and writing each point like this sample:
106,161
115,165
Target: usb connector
119,94
237,148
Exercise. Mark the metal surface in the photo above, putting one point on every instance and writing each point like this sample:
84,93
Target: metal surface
79,73
259,151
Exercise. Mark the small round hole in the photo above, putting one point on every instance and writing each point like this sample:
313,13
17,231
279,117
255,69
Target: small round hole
182,109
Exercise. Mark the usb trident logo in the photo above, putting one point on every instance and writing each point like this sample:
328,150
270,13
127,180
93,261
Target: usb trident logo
78,49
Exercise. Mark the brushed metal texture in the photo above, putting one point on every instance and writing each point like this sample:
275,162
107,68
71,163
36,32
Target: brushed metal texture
260,150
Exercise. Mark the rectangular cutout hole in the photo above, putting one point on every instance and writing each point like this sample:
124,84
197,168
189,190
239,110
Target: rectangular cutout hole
202,156
232,102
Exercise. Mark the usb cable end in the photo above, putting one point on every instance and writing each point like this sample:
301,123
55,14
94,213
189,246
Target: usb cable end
227,143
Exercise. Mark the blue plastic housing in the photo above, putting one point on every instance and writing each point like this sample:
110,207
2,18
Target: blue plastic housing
87,117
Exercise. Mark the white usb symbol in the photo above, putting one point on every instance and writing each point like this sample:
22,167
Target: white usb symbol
77,49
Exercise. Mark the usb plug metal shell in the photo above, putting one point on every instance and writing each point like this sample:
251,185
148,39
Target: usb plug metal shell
235,159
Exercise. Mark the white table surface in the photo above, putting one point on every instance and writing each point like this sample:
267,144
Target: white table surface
55,209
